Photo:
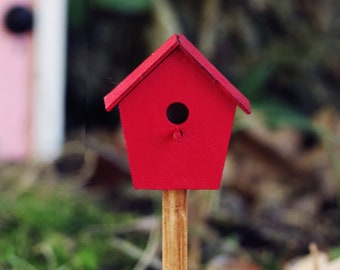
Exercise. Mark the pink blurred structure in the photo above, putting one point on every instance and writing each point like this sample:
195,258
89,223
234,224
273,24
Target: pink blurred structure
32,78
15,88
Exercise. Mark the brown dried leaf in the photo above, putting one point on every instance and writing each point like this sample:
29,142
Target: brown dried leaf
223,262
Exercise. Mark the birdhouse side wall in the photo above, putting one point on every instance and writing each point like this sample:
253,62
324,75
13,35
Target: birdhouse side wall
164,155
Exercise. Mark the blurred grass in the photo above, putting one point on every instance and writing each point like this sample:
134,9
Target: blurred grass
51,225
334,253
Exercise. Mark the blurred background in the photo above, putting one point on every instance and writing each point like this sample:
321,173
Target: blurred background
66,197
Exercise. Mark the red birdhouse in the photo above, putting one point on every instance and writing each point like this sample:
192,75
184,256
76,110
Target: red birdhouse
177,112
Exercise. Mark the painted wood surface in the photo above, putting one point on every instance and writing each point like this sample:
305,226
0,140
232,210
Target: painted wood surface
49,85
174,230
176,41
32,81
15,87
177,112
193,160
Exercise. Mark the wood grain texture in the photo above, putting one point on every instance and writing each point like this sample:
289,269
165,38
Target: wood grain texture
175,230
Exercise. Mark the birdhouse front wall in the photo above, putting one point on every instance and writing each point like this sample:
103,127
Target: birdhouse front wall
170,154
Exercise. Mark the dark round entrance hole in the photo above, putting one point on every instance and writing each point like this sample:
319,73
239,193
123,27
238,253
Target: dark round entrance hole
177,113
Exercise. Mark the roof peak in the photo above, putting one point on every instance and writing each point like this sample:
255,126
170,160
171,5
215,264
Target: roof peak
156,58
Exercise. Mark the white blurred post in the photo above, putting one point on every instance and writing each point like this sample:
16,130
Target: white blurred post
49,78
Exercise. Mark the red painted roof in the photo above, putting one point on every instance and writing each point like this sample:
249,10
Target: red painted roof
174,42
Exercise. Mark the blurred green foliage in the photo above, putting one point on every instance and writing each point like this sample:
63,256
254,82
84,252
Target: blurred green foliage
48,226
334,253
269,260
252,84
77,13
276,113
78,10
124,6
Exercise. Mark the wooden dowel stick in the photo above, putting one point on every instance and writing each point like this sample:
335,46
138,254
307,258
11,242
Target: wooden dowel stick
175,230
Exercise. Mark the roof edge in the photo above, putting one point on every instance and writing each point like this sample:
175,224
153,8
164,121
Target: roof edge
217,76
118,93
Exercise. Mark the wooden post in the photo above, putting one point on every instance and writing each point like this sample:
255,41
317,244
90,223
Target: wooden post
175,230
